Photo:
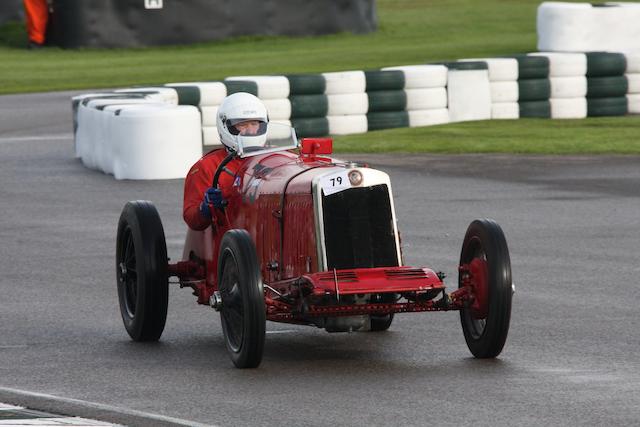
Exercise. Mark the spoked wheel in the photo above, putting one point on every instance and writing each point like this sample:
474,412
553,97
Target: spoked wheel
243,312
141,271
485,270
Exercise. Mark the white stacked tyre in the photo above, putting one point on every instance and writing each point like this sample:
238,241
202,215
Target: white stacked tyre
347,102
90,133
586,27
154,142
463,79
273,91
503,83
632,74
568,84
425,93
207,96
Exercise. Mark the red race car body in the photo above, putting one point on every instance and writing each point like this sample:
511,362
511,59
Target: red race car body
308,239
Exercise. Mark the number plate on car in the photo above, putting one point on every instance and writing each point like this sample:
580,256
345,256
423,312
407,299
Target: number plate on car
335,182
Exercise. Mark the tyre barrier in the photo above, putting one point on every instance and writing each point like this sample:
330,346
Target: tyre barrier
112,129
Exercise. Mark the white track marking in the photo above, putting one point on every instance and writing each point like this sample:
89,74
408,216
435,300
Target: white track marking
14,139
116,409
285,331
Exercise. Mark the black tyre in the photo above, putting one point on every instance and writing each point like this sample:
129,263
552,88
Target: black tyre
381,323
234,86
485,321
141,270
306,84
465,65
535,109
187,95
534,90
532,67
387,100
607,87
384,80
310,127
304,106
602,64
603,107
243,312
387,120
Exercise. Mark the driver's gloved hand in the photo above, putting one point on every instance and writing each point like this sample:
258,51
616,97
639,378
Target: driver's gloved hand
213,196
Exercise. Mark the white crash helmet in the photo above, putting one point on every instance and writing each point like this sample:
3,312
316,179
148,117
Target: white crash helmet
240,107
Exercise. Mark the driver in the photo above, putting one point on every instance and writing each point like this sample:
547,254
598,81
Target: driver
240,115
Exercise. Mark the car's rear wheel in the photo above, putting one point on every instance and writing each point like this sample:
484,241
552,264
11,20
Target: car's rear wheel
486,271
141,271
243,313
381,323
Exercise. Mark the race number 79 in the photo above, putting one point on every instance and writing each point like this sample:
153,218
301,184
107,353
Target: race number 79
335,182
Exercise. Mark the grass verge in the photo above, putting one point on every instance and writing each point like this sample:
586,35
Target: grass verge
409,31
606,135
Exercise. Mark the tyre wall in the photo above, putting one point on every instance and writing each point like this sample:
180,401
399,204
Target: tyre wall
128,23
177,122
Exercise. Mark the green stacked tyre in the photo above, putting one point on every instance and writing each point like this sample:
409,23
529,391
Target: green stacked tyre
384,80
535,109
305,106
604,64
188,95
465,65
311,127
607,85
534,86
532,67
600,107
309,104
387,120
387,100
306,84
534,89
234,86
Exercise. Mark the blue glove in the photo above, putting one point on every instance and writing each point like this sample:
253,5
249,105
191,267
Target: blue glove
213,196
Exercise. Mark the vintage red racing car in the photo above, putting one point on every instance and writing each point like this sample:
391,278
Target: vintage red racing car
306,239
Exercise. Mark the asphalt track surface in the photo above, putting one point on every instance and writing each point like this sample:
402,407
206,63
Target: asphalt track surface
571,358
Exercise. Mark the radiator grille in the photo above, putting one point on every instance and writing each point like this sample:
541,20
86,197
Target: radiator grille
358,228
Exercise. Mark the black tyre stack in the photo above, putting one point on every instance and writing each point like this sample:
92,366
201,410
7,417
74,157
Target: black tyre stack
309,105
607,84
534,86
387,100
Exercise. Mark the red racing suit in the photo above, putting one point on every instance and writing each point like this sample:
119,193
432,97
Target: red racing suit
199,179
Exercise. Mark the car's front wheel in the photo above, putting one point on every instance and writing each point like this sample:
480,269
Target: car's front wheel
485,270
141,271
